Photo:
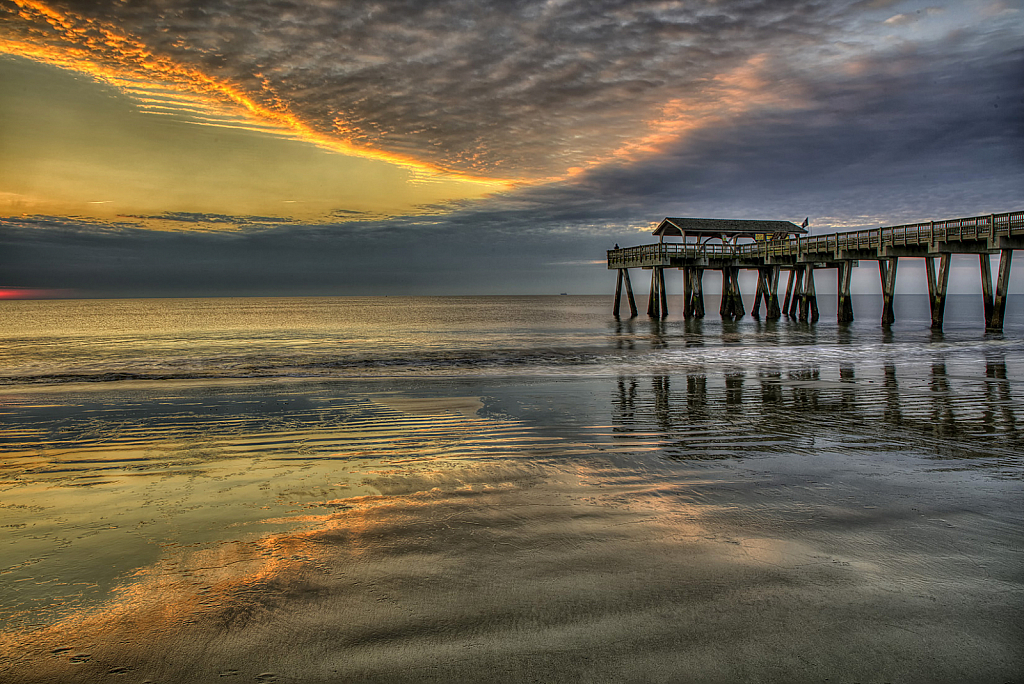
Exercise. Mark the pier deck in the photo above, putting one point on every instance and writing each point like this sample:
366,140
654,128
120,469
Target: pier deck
801,255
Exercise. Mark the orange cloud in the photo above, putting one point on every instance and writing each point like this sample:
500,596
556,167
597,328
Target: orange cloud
108,55
735,92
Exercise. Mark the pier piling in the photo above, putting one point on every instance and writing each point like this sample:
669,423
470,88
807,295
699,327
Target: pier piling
845,308
725,306
653,300
768,289
618,294
798,290
697,292
887,272
937,287
812,296
808,297
755,310
629,294
773,312
789,291
687,292
995,305
662,292
623,277
732,299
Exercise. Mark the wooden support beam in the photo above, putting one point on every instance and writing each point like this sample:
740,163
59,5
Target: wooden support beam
929,272
789,290
687,292
618,292
629,294
986,287
732,300
755,311
887,272
653,301
810,296
845,308
798,288
773,312
725,306
650,297
937,288
737,302
663,292
802,299
995,321
697,292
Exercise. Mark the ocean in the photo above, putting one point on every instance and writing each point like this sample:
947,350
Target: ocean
507,489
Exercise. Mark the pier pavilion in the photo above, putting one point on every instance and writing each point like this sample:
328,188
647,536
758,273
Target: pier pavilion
770,247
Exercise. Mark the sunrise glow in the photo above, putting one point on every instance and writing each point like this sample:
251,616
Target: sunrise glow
105,53
32,293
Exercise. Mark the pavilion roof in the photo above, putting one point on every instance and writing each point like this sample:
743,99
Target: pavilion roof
725,227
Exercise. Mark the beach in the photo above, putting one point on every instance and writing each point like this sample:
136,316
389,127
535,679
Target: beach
506,489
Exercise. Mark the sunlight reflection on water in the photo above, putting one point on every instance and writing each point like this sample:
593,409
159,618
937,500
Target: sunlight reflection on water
685,503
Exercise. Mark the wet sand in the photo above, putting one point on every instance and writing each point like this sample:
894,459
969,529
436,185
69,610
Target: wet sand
372,533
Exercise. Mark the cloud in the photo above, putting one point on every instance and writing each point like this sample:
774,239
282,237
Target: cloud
525,90
211,219
898,19
617,113
522,90
407,256
930,133
101,48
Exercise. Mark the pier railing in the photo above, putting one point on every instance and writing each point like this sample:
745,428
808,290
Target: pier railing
663,251
976,229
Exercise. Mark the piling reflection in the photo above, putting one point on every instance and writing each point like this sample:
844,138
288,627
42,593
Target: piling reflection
769,331
731,331
925,408
734,388
659,334
694,329
998,407
771,386
848,394
845,333
625,402
662,412
891,387
625,334
943,419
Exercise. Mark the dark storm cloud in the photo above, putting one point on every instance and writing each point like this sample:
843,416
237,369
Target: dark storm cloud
916,136
923,136
513,88
407,256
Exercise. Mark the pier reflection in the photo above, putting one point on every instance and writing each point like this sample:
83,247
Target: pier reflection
625,334
659,334
931,409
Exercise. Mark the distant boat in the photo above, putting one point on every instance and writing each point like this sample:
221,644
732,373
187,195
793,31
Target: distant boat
565,294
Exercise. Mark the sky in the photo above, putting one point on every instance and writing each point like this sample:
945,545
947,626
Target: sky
286,147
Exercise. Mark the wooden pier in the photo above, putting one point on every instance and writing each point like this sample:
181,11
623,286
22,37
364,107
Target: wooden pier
776,246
